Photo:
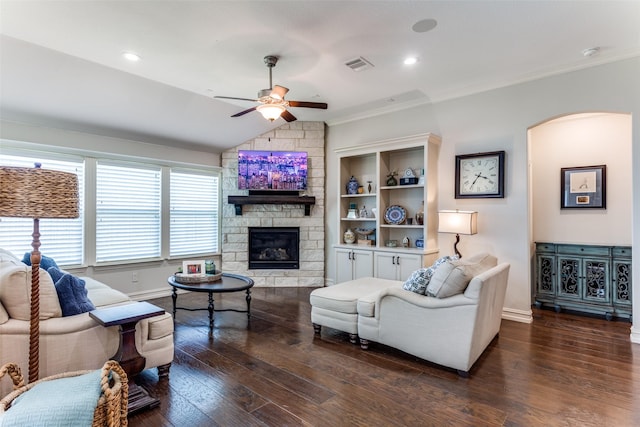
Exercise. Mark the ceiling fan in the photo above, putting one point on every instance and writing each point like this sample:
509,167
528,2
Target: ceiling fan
271,100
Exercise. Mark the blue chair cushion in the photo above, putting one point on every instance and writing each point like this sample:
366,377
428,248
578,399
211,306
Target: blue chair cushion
69,401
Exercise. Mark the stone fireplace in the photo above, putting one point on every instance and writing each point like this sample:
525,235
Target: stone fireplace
236,252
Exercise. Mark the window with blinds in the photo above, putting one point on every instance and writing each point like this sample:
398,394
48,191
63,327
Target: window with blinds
128,212
61,239
193,213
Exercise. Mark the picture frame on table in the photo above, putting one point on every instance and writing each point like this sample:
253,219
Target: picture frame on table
194,267
583,187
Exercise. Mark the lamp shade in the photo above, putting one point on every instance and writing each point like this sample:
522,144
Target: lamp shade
38,193
270,111
458,222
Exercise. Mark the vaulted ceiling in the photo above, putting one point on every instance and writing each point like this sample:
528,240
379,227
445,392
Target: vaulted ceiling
61,61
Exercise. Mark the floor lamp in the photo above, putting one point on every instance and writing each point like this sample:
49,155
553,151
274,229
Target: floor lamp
37,193
458,222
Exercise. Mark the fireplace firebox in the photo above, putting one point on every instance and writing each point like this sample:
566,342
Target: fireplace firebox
274,248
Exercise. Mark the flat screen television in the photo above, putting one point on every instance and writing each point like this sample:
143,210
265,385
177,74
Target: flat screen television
272,170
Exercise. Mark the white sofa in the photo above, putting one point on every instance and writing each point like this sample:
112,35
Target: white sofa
75,342
451,331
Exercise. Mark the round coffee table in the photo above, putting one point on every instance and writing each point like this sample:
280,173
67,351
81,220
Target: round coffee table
228,283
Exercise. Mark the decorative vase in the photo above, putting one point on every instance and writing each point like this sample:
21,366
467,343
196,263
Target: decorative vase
420,214
360,189
349,236
369,187
352,185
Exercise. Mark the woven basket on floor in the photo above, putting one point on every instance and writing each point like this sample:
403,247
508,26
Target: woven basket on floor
111,410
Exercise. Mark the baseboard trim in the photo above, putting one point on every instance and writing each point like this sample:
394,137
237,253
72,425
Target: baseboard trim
635,335
151,294
522,316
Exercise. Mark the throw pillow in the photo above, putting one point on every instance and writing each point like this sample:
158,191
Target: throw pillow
72,293
419,279
449,279
45,262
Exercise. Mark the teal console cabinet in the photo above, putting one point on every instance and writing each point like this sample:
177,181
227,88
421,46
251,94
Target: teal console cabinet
584,278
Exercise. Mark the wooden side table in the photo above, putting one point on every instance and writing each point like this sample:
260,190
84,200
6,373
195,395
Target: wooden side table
127,316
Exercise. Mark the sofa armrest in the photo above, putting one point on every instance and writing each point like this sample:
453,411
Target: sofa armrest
4,316
370,305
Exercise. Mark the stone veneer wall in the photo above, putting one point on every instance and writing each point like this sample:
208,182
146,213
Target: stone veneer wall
294,136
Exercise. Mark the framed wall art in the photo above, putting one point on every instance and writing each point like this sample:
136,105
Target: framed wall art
583,187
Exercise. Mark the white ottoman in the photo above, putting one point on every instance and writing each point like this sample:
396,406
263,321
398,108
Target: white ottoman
336,306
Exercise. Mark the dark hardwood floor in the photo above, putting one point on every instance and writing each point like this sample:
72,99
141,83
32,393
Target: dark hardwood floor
562,370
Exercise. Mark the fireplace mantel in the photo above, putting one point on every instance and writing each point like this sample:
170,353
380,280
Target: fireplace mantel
272,199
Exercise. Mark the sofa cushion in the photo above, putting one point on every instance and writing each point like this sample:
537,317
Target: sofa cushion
15,291
45,262
102,295
72,293
74,399
420,278
453,276
343,297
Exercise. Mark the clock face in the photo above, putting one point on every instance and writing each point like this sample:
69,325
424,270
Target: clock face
480,175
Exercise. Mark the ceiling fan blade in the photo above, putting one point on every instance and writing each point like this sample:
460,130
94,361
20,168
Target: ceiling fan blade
305,104
288,116
278,92
240,99
242,113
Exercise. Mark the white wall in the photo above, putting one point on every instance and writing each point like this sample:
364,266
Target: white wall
582,140
498,120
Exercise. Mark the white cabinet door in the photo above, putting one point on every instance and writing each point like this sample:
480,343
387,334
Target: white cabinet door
385,265
362,264
396,266
353,264
407,264
344,265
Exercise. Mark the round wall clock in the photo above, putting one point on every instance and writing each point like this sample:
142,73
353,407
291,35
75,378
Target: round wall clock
480,175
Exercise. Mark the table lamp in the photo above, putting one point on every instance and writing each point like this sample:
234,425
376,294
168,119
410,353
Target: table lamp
458,222
37,193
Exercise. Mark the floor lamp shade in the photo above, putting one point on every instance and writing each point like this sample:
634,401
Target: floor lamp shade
37,193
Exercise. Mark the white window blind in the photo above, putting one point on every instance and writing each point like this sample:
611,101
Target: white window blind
127,212
193,213
61,239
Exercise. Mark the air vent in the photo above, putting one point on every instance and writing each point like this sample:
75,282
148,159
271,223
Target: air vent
359,64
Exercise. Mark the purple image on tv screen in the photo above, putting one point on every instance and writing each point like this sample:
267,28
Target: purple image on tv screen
272,170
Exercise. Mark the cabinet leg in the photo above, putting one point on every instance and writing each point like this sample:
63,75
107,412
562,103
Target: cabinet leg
557,308
608,316
538,304
353,338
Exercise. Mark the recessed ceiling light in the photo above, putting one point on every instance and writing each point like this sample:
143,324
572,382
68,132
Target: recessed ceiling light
133,57
410,60
590,51
424,25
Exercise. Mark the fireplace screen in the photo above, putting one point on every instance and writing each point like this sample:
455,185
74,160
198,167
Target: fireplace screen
274,248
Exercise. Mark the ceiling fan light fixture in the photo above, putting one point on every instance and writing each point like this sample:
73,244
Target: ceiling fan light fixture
270,111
